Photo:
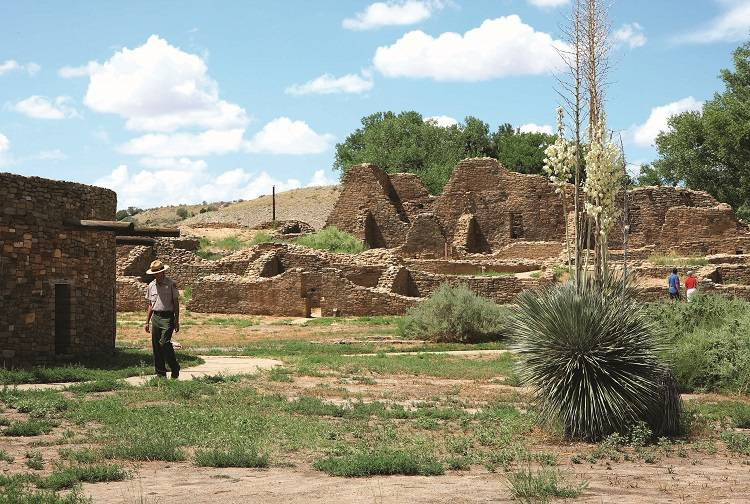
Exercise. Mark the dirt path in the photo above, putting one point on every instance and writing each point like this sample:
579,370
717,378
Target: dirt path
713,480
213,365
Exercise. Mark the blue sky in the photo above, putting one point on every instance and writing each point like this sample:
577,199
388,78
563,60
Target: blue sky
176,102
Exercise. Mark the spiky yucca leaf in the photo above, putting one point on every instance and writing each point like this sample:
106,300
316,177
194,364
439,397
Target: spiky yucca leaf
589,356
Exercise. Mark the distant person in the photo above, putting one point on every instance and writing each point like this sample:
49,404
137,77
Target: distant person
164,314
674,285
691,285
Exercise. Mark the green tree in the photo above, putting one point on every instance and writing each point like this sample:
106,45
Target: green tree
404,142
521,152
121,214
648,176
182,212
710,150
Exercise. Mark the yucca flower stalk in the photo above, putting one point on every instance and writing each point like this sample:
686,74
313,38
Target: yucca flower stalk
559,163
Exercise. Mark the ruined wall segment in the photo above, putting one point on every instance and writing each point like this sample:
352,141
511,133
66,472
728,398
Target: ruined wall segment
369,208
484,206
57,284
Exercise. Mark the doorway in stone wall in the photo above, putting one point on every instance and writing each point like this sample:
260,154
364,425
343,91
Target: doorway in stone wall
62,318
516,226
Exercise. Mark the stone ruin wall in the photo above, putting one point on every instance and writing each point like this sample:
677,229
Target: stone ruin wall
38,253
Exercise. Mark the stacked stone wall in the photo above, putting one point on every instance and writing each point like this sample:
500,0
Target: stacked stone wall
282,295
131,294
37,252
500,289
340,297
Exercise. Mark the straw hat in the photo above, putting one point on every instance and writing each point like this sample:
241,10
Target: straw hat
157,267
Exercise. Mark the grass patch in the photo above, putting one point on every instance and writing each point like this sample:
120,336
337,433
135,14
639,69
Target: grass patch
5,456
120,364
332,239
538,486
96,386
737,413
34,460
234,322
68,477
27,428
82,455
19,491
261,237
146,449
280,374
381,462
377,320
234,457
675,260
736,442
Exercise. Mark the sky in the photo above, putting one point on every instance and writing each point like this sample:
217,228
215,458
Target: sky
171,102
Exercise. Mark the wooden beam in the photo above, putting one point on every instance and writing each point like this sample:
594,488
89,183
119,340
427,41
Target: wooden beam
100,225
154,231
134,240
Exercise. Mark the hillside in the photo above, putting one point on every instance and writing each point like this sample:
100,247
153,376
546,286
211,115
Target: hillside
309,204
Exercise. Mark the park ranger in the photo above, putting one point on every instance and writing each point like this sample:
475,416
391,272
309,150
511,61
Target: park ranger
164,315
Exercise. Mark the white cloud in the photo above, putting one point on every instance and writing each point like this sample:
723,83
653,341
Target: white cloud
206,143
50,155
158,87
536,128
178,181
644,135
729,26
329,84
40,107
441,120
12,65
284,136
547,4
392,13
68,72
4,143
320,179
630,34
498,48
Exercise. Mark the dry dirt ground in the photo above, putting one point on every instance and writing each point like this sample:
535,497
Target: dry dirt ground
698,473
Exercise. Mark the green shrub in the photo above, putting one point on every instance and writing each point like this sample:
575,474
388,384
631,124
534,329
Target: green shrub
34,460
234,457
590,356
182,212
332,240
21,493
706,343
382,462
454,314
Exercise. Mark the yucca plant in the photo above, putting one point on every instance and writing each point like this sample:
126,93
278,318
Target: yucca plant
590,357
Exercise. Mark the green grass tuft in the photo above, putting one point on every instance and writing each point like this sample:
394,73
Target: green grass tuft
538,486
68,477
30,427
146,449
380,462
234,457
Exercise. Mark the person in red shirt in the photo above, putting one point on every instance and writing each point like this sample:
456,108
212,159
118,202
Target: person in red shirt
691,285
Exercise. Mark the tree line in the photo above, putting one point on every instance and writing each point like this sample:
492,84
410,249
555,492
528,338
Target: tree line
406,142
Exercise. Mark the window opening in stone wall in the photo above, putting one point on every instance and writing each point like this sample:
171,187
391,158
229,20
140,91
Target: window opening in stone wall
516,225
62,318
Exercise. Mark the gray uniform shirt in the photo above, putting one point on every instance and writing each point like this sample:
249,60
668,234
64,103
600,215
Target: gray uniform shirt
162,296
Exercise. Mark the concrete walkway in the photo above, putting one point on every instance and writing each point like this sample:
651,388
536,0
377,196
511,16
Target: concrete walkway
458,353
213,365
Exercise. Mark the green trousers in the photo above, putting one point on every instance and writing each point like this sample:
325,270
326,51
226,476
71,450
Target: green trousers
162,327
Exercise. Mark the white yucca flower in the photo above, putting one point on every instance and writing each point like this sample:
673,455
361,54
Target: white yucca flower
603,179
560,157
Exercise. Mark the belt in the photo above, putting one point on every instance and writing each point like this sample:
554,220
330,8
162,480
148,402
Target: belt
162,313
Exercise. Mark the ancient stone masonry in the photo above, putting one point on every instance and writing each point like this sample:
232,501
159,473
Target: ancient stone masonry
57,285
